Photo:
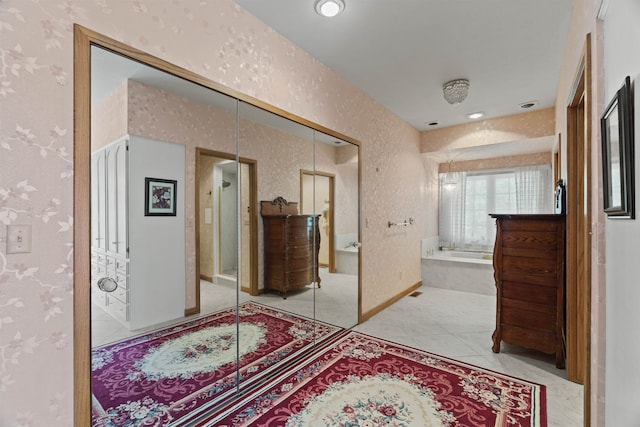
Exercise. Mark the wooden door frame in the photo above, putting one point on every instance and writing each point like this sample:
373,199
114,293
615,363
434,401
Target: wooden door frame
253,220
579,196
332,192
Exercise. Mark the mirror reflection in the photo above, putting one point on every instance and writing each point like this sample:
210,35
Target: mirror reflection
180,174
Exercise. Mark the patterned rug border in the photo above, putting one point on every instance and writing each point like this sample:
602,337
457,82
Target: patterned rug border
202,318
450,359
255,378
539,411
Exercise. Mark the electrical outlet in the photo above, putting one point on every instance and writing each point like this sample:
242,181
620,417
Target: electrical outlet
18,239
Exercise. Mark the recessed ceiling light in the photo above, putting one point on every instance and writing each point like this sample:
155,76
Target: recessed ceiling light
329,8
475,115
528,104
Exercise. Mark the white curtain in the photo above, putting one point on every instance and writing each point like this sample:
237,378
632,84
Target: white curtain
451,212
533,189
533,195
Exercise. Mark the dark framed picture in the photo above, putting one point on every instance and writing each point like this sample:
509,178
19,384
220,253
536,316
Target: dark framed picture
617,154
159,197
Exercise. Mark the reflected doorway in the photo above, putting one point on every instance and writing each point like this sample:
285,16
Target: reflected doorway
317,191
226,248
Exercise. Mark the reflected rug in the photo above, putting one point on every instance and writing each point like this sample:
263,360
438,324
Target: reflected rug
365,381
168,376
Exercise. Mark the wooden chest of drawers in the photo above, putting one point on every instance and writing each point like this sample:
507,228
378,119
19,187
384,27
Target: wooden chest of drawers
291,245
528,265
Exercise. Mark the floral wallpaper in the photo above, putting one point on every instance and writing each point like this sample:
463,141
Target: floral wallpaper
165,116
517,127
220,41
109,118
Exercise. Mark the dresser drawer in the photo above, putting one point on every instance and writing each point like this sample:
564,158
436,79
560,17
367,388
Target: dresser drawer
99,258
122,266
101,270
111,266
300,278
545,295
542,341
117,308
123,280
532,316
121,294
525,267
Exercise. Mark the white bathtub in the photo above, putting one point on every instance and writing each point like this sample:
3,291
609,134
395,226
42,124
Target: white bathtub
459,271
347,260
463,256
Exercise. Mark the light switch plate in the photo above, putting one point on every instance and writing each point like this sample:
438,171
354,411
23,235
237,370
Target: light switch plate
18,239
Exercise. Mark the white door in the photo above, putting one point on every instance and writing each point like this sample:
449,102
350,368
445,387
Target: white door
111,199
122,194
98,201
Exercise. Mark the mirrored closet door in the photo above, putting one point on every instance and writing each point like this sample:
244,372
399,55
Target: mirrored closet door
224,236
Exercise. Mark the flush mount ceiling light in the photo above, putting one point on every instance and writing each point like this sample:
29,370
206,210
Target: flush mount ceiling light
528,104
456,91
329,8
475,115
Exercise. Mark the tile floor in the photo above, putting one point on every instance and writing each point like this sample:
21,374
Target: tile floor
450,323
459,325
336,302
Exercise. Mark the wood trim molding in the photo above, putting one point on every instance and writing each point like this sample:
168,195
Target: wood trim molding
388,303
198,166
81,228
191,311
207,278
253,216
579,214
332,190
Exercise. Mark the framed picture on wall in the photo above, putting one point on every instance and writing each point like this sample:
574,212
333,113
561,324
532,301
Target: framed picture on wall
617,154
159,197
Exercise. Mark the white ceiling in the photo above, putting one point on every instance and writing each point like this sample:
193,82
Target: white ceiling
401,52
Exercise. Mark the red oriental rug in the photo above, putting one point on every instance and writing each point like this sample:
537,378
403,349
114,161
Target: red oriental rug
167,377
364,381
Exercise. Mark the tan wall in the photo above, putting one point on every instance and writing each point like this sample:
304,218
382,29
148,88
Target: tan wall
517,127
164,116
215,39
497,162
526,126
109,118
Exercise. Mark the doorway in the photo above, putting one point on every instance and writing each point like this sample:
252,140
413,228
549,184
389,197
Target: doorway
226,222
317,190
578,263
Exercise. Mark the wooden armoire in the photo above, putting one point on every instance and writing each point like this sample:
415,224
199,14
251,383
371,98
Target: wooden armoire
528,260
291,246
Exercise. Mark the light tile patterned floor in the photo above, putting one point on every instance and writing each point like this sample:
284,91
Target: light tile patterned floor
459,325
450,323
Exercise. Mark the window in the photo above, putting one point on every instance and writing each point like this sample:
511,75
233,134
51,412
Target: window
484,194
467,199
